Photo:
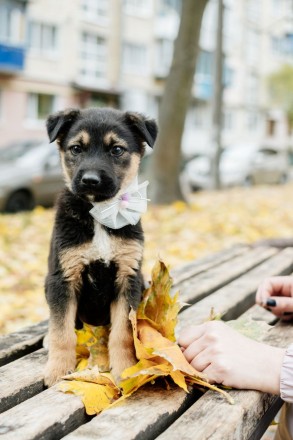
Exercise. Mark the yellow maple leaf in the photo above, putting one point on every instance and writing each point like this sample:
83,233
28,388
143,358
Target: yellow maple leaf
92,347
158,306
95,397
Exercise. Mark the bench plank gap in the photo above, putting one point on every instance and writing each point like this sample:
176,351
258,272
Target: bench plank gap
235,298
18,344
204,284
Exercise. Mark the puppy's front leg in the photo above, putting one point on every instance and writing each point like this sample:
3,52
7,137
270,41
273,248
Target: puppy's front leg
62,339
121,346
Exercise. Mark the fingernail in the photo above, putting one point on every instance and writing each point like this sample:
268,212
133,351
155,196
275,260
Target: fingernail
271,302
287,313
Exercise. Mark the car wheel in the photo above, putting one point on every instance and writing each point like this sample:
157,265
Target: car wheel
20,201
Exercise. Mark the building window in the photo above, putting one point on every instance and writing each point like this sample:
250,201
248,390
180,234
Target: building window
252,120
42,38
166,6
252,86
228,76
11,24
283,45
253,10
96,10
135,59
40,105
140,8
164,52
93,57
252,46
203,75
228,120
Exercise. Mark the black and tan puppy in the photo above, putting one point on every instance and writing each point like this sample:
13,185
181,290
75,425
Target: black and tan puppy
94,271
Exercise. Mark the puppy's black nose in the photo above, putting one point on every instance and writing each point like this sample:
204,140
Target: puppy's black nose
90,179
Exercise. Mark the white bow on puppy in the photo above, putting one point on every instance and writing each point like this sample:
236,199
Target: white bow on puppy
124,210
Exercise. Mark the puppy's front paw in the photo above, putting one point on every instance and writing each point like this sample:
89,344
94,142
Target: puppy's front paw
120,363
56,369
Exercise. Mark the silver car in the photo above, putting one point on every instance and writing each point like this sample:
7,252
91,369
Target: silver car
30,174
240,165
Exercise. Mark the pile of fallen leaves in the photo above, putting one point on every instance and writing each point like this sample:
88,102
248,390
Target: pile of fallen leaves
177,233
158,355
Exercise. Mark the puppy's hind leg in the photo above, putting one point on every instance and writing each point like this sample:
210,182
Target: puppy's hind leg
62,342
121,346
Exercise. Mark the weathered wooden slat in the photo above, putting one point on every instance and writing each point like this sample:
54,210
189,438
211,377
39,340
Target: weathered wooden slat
47,416
257,313
189,270
211,417
52,414
18,344
235,298
21,379
143,416
204,284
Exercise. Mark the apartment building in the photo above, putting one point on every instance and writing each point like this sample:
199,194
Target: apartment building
60,53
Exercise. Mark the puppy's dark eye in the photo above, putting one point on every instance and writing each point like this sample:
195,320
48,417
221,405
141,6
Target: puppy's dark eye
117,151
75,150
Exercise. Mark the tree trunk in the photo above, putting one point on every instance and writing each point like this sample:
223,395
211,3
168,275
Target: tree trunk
217,107
164,166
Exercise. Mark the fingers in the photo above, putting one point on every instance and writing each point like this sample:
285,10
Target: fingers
275,286
201,362
280,305
190,334
193,350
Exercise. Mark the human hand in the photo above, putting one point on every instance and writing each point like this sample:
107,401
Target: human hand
276,294
231,359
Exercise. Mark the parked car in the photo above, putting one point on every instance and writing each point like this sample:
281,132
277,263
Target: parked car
30,174
240,165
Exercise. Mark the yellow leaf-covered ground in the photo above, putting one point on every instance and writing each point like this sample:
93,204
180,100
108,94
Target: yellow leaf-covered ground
175,233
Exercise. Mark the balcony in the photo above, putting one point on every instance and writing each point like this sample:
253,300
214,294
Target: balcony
12,58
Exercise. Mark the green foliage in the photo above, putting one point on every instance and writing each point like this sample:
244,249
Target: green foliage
281,90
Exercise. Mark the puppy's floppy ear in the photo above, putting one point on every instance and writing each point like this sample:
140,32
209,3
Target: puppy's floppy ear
147,129
58,123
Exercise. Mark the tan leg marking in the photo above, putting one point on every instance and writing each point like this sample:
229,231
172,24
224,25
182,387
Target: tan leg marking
62,345
121,346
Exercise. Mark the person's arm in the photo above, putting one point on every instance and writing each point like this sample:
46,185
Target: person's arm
286,382
231,359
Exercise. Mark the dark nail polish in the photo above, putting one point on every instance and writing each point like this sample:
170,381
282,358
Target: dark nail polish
287,313
271,302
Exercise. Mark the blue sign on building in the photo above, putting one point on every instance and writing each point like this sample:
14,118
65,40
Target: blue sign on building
11,58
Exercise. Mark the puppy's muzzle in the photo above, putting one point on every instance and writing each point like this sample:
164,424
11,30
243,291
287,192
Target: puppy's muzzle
91,180
95,183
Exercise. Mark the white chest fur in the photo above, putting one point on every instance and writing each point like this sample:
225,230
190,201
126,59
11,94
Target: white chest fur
101,245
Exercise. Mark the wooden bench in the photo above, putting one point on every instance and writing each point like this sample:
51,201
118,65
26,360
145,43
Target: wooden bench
226,281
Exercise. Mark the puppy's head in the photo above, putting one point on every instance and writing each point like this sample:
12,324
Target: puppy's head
100,149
